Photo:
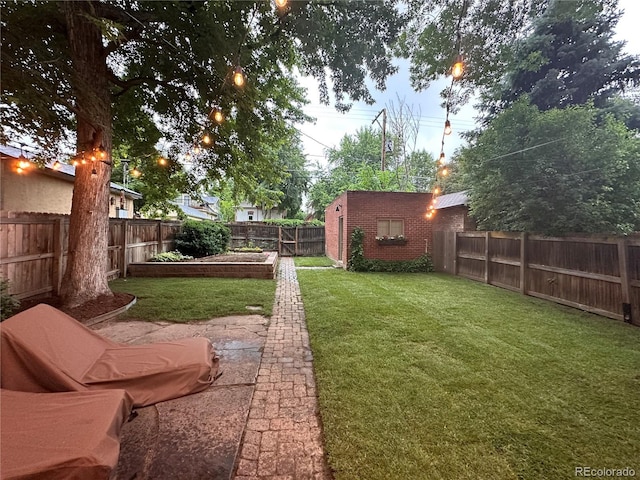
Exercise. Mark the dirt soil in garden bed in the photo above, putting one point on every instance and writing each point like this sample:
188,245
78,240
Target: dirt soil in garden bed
87,311
235,257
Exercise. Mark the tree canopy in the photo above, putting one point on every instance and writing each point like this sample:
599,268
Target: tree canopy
554,172
72,71
569,58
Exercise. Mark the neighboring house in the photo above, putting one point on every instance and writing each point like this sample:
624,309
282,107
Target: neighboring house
394,224
208,208
452,213
49,190
246,212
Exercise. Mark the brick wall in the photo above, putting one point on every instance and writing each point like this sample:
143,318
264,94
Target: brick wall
332,215
364,209
453,219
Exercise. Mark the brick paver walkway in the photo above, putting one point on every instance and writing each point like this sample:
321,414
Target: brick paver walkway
283,439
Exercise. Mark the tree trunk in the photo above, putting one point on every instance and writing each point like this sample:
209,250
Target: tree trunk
86,274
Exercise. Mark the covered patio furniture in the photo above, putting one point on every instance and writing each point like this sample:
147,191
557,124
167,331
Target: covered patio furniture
44,350
61,435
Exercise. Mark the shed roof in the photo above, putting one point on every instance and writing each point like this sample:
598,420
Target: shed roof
452,200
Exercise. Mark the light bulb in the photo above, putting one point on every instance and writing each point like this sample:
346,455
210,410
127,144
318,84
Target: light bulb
445,172
218,116
442,158
56,165
196,150
102,153
136,173
447,127
238,77
281,3
162,161
206,139
436,191
458,68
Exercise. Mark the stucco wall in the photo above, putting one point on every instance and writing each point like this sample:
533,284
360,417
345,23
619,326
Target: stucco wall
20,193
364,209
36,191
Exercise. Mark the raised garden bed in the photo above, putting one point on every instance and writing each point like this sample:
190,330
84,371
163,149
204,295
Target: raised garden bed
246,266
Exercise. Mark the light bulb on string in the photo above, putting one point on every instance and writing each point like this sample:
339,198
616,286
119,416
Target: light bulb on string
281,3
102,153
206,138
196,150
458,67
444,172
447,127
436,191
162,161
442,159
239,78
56,165
217,115
135,172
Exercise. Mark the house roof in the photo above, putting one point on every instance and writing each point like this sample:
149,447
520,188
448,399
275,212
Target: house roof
192,212
452,200
65,171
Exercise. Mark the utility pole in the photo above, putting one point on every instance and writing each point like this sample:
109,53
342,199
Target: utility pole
384,135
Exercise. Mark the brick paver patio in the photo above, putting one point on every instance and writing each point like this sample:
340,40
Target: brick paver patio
283,438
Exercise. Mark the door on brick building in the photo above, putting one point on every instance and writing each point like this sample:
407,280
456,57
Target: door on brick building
340,229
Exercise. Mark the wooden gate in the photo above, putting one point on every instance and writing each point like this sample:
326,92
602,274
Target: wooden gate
287,241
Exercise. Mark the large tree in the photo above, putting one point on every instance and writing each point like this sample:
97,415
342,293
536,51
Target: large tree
554,172
66,65
569,58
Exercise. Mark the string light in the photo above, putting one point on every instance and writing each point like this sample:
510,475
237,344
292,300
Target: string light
196,150
239,78
447,127
218,116
56,165
162,161
281,3
458,67
206,138
442,160
136,173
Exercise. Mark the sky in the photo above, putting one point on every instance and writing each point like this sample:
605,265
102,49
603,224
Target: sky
331,126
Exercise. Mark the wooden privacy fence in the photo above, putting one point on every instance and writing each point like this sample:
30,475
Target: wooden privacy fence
287,241
33,249
596,273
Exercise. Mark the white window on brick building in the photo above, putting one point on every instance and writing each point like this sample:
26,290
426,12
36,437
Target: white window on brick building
388,227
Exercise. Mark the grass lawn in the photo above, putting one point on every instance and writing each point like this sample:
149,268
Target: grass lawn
429,376
189,299
313,261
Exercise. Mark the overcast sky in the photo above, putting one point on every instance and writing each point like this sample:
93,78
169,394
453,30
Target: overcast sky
330,126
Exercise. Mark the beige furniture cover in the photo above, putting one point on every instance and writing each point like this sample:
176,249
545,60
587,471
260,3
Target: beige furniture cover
44,350
72,435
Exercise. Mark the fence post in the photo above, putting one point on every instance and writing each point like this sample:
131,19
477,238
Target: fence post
58,255
487,236
625,285
455,253
160,246
125,242
523,263
295,246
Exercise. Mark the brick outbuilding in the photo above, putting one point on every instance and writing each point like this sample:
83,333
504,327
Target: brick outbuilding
398,216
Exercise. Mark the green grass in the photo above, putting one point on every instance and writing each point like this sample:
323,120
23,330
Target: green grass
191,299
313,261
428,376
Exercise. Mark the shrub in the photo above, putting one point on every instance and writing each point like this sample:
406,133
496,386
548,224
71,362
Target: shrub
8,304
358,263
201,239
174,256
293,222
